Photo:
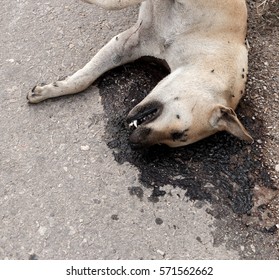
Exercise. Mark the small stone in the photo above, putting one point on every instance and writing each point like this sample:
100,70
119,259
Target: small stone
42,230
277,167
85,148
114,217
158,221
72,230
253,248
51,222
160,252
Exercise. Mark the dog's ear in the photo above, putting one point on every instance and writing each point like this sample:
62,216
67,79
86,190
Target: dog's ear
224,118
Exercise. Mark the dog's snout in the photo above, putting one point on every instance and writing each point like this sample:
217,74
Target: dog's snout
139,118
139,136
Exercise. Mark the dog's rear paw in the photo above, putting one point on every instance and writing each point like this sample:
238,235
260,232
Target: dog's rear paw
36,95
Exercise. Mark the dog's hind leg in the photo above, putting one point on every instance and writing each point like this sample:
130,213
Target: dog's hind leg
113,4
121,49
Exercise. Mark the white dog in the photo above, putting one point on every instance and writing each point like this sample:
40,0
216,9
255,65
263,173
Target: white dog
203,42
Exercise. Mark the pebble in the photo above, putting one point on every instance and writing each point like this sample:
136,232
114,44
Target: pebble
253,248
72,231
42,230
277,167
161,252
85,148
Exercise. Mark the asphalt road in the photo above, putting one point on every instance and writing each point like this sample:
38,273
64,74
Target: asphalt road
62,194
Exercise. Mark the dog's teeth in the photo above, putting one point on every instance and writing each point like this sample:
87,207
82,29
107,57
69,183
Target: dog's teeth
133,123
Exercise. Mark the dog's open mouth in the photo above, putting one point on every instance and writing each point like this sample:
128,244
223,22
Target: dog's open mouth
143,118
144,115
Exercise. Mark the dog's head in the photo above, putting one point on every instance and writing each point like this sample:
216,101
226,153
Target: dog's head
179,112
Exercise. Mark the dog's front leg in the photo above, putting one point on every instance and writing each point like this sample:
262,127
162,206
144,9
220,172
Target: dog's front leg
121,49
113,4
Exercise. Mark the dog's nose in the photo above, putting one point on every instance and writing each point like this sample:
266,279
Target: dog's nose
144,113
139,137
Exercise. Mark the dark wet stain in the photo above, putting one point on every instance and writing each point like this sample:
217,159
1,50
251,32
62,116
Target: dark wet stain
138,191
114,217
273,229
97,201
199,239
33,257
159,221
231,167
157,192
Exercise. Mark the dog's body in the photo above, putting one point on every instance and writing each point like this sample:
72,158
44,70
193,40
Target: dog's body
203,42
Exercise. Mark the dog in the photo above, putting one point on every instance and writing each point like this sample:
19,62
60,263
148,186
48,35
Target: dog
203,42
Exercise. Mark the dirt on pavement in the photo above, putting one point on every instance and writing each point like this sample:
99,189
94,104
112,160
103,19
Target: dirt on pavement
71,187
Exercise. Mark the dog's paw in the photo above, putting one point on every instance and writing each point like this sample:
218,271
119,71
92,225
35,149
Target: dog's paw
36,95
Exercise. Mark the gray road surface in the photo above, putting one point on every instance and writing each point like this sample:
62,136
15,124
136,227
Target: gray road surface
62,194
